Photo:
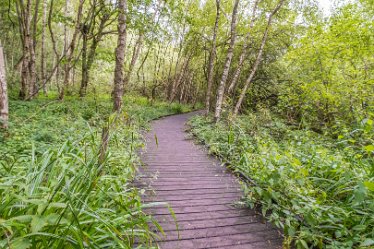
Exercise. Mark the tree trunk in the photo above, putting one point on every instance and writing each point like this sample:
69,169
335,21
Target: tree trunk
179,58
57,58
28,73
4,112
42,50
24,72
84,82
69,52
104,144
33,88
258,59
120,56
186,95
244,52
211,60
230,53
169,78
179,79
66,49
32,69
88,61
141,68
134,58
182,91
157,62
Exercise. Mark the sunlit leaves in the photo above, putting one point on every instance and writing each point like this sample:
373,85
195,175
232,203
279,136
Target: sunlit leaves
331,70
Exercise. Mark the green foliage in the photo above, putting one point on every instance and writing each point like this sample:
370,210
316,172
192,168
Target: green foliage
55,192
330,71
145,110
318,189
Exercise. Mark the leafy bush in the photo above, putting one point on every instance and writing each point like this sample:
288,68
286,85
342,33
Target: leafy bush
330,70
318,190
178,108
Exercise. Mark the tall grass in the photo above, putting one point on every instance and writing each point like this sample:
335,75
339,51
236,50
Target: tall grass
56,193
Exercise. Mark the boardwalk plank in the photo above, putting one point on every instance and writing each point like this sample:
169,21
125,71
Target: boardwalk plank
260,239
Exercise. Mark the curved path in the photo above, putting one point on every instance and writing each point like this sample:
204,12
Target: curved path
200,192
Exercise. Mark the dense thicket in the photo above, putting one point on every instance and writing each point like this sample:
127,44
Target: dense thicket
311,71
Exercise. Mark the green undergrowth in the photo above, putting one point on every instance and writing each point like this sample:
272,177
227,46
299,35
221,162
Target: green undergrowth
55,190
318,189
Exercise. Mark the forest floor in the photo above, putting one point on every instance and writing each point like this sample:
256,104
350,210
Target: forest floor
199,198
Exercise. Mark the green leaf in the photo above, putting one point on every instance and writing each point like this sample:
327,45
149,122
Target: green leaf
367,242
38,222
58,205
359,228
296,162
21,243
22,218
369,185
53,218
303,243
156,139
369,148
360,192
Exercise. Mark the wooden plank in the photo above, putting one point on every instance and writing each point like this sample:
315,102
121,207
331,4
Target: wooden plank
209,223
195,209
201,202
205,215
253,233
194,187
172,197
232,242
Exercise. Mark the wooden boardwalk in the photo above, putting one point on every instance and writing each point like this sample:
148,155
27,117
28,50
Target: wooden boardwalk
199,191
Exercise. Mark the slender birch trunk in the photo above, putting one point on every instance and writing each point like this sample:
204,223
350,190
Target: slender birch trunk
178,61
66,49
212,57
134,58
180,78
244,52
120,56
258,59
4,109
33,88
141,68
230,53
42,51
